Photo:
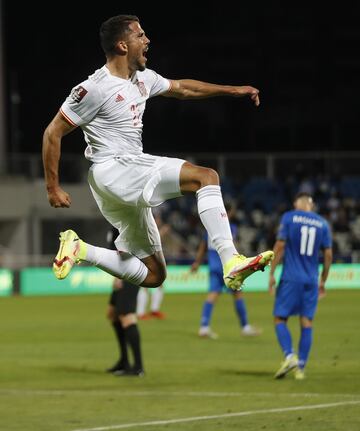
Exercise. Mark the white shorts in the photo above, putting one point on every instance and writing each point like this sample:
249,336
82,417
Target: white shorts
125,188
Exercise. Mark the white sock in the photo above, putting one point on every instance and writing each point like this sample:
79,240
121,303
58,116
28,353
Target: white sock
142,300
156,298
122,265
214,217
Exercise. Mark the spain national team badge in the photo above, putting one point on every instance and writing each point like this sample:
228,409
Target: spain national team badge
142,88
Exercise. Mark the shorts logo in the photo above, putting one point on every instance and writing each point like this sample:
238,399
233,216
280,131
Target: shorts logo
78,94
142,88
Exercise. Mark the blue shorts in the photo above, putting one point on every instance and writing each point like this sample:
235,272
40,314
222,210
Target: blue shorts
294,298
217,282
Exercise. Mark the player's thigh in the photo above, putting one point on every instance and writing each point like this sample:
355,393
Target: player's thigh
216,282
126,299
288,298
164,183
138,232
111,308
309,302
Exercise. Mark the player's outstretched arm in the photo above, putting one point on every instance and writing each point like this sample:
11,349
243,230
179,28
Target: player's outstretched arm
192,89
51,150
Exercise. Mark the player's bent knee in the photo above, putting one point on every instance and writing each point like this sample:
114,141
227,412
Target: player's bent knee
154,280
208,177
305,322
212,176
193,178
156,270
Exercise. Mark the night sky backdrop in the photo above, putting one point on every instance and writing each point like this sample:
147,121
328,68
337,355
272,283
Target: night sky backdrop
304,59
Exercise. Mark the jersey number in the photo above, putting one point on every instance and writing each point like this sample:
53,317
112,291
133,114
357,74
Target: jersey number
136,114
307,241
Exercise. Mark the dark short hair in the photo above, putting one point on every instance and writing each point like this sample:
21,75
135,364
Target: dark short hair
302,195
113,29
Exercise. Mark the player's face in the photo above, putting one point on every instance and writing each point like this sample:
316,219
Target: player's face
138,44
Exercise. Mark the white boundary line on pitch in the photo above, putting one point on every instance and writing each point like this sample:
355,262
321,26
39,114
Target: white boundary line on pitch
97,392
225,416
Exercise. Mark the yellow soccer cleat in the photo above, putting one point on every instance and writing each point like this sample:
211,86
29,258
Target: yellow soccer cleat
238,268
72,250
286,366
299,374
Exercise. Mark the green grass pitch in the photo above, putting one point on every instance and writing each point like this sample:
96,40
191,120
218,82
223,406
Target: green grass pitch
54,351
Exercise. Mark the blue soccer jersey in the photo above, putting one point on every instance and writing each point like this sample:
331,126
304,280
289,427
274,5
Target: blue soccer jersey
305,233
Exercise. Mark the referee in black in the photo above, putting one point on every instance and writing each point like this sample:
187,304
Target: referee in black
122,315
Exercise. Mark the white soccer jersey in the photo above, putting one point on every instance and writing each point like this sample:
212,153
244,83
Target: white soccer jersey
109,110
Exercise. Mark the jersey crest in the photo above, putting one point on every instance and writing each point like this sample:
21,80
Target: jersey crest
142,88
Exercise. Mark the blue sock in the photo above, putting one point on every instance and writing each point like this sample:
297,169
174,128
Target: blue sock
240,308
305,345
206,313
284,338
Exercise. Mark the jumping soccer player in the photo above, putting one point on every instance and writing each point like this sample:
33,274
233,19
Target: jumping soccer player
125,181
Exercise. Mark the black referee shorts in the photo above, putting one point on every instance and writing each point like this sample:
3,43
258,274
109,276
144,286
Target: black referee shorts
124,299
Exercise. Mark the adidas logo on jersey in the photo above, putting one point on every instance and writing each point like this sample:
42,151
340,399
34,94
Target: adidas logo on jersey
119,98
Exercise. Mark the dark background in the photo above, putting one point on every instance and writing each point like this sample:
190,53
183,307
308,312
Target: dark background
304,59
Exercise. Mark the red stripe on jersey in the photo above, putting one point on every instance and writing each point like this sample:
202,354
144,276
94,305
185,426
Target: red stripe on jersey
67,118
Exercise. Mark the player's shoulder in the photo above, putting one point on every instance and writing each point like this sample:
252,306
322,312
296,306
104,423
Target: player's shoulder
89,87
287,215
318,217
322,220
100,75
148,75
99,82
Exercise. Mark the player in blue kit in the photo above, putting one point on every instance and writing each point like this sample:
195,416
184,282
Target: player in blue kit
302,235
217,285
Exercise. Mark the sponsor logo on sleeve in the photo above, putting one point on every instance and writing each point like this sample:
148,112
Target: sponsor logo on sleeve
78,93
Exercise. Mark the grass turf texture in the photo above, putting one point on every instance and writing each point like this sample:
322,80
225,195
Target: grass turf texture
54,351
